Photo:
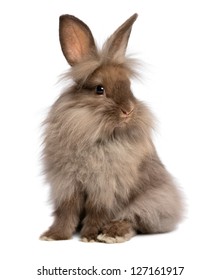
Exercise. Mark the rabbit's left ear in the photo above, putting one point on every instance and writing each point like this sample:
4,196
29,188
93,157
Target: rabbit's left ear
76,39
115,46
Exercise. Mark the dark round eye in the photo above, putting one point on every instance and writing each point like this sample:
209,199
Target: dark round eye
100,90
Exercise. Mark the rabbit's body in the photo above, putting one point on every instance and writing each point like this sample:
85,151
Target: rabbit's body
99,158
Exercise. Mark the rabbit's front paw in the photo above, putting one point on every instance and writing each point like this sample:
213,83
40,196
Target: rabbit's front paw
52,235
89,234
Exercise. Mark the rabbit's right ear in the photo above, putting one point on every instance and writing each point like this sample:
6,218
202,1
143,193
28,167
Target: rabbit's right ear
76,39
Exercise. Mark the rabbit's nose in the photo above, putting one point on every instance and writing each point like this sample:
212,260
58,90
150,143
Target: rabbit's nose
127,111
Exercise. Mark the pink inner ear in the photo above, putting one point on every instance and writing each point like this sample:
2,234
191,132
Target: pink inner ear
75,41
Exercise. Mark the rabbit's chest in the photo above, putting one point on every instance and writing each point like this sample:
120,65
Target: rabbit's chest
107,163
106,172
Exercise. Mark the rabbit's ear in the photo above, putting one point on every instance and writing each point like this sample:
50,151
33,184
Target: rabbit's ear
75,38
115,46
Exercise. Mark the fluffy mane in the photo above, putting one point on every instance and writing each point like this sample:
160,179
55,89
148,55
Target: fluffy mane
82,70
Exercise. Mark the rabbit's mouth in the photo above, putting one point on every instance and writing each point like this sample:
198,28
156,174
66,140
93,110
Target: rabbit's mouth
125,116
124,122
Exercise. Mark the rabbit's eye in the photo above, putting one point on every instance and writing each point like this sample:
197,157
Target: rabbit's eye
100,90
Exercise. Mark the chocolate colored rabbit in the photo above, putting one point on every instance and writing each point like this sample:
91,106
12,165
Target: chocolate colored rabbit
99,159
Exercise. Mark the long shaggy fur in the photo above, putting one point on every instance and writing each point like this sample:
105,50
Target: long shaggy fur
99,159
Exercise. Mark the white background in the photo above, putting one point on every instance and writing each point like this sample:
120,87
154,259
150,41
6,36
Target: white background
179,43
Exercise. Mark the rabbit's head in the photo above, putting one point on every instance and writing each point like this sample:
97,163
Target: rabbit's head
101,100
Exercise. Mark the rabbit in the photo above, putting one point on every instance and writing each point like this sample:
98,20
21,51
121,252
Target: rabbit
106,179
